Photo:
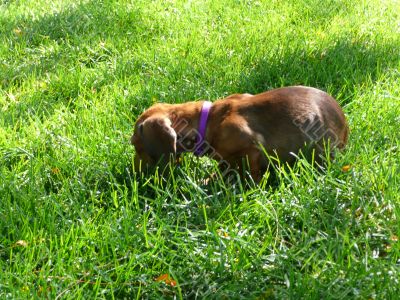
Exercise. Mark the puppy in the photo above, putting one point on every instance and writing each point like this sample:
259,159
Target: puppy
240,129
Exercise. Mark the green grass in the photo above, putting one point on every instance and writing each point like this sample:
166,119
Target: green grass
76,222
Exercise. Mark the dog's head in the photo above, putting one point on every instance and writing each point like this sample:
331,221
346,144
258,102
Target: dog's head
154,140
162,134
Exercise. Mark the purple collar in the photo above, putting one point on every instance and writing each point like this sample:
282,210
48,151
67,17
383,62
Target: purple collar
205,110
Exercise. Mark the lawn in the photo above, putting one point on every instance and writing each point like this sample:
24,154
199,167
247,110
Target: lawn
76,222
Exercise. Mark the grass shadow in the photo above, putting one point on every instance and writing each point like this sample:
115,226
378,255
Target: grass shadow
339,69
61,56
73,37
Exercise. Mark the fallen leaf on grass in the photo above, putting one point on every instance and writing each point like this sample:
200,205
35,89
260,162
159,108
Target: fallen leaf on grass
166,279
55,171
346,168
21,243
222,233
18,31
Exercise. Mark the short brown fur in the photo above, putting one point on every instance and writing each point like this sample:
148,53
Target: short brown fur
281,122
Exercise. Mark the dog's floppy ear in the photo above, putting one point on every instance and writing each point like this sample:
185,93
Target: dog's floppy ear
159,138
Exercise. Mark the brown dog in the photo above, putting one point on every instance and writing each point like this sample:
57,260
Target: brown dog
242,127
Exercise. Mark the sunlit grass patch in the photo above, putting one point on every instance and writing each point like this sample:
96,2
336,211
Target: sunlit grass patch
76,221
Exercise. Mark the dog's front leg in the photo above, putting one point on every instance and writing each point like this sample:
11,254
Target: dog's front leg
245,162
255,163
